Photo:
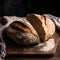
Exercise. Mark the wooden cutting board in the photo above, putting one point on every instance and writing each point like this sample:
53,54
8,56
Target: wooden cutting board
13,48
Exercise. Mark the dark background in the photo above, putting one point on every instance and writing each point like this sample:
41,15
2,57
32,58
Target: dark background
47,6
23,7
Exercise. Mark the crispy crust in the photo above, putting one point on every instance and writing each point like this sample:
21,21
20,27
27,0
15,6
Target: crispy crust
22,34
43,25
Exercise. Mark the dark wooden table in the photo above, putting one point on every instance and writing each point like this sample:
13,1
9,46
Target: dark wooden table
38,57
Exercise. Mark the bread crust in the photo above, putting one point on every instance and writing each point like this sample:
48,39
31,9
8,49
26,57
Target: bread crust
22,33
44,26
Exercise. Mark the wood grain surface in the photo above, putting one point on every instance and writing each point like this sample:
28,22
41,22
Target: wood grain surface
40,57
13,48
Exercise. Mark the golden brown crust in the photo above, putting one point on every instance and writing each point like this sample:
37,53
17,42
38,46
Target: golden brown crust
43,25
18,25
22,34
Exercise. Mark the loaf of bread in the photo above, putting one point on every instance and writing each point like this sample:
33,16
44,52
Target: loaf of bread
44,26
22,32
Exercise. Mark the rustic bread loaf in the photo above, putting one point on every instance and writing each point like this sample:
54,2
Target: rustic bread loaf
22,32
43,25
